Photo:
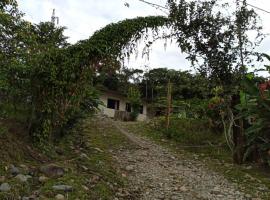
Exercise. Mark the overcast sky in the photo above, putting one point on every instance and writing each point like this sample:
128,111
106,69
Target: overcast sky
83,17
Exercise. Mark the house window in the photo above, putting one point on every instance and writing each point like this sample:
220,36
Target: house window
113,104
128,107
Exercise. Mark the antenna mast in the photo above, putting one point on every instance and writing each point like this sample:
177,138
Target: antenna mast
54,19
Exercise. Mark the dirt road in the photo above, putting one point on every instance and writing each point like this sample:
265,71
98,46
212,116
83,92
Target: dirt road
156,173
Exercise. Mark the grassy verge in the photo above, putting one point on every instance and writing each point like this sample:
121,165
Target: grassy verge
209,148
84,153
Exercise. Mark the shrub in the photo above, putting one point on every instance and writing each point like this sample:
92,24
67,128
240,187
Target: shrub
187,131
134,97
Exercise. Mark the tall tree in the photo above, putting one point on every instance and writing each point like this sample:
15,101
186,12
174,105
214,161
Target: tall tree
210,36
15,39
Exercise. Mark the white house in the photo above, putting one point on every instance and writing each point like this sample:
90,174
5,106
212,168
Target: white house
114,102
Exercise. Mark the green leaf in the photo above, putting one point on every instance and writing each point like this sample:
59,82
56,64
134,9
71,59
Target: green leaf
250,87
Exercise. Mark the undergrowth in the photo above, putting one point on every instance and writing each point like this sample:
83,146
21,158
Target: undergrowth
83,153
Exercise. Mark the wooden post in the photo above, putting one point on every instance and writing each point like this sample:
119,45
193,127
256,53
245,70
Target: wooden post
169,102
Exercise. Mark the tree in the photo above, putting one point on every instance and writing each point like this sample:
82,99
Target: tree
186,85
15,39
49,36
62,76
134,97
210,37
221,42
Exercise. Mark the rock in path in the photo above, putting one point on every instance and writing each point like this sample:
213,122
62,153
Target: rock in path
5,187
22,178
59,197
129,168
65,188
42,179
52,171
14,170
2,179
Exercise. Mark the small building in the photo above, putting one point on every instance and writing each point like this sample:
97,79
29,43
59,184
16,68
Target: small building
116,105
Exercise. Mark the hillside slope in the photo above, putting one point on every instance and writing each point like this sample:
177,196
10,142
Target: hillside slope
104,159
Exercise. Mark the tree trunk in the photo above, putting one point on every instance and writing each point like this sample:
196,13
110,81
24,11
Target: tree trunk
238,135
169,101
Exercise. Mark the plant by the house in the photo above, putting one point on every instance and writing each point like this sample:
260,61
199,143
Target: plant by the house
134,97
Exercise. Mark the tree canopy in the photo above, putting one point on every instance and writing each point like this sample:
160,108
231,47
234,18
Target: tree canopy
52,81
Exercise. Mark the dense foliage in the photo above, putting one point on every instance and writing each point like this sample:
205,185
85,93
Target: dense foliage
134,97
49,80
254,107
52,82
215,38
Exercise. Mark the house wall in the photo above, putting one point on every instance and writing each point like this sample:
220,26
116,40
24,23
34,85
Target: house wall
122,105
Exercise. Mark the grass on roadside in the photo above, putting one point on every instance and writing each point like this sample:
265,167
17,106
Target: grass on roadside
84,153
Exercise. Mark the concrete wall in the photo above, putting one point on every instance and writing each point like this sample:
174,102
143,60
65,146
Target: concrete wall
122,105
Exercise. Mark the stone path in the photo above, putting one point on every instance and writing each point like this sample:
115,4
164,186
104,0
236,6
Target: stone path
156,173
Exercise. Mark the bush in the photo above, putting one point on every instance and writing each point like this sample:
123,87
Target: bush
187,131
134,97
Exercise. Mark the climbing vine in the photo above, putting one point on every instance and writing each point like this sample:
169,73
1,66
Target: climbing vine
52,79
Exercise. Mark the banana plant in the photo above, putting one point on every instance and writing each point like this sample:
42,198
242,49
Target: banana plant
254,107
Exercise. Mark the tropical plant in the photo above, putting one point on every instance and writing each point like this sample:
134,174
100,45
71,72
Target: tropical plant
134,98
254,108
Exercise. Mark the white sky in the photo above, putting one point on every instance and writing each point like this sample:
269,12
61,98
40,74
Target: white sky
83,17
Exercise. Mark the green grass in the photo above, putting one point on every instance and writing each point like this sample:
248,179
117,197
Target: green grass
94,143
208,147
85,156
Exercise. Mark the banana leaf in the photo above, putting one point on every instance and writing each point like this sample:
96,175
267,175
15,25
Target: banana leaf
250,87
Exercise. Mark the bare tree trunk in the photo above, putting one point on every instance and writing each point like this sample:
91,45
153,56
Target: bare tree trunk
238,136
238,130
